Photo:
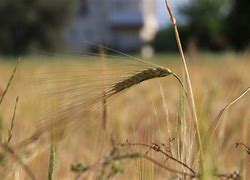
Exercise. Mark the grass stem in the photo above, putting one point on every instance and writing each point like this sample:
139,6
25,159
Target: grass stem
190,91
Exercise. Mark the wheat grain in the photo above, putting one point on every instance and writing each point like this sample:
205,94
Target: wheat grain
140,77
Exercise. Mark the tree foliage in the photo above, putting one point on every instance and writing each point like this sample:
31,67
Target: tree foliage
165,39
205,22
32,24
238,26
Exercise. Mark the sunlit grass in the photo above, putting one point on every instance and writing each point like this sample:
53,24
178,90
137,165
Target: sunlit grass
137,115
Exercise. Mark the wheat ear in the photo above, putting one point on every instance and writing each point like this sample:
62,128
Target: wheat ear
141,76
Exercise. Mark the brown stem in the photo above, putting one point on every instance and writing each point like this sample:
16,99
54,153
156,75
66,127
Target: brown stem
190,91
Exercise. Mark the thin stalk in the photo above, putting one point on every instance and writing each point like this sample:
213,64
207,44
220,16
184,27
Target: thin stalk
9,82
12,123
190,91
52,160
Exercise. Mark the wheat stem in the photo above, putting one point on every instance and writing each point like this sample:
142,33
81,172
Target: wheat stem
190,91
52,160
215,123
104,100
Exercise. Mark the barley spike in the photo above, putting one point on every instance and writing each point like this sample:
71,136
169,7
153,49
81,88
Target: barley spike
140,77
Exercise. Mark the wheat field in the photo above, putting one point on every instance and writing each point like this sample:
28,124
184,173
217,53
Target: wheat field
151,116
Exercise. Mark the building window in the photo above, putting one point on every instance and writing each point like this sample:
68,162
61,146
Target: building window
83,7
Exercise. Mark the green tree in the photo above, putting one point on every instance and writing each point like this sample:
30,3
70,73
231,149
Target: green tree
32,24
165,39
205,22
238,26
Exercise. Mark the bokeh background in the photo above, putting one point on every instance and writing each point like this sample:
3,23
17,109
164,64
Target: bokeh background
129,26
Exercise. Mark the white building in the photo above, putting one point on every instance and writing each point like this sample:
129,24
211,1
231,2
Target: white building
125,25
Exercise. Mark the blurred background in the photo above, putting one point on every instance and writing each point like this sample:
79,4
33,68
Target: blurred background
28,26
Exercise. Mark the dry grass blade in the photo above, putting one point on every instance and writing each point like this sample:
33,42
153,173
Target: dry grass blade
12,122
214,124
104,100
9,82
104,113
190,91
